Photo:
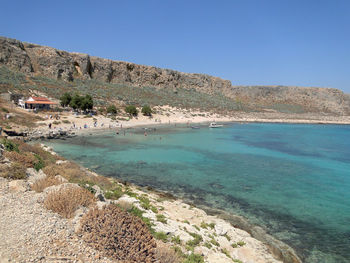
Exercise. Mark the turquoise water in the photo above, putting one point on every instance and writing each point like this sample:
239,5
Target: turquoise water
293,180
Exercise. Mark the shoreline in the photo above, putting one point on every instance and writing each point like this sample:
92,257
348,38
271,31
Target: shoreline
279,249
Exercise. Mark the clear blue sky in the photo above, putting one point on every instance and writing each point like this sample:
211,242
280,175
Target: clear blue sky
262,42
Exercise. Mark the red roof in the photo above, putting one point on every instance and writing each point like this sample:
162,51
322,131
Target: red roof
40,100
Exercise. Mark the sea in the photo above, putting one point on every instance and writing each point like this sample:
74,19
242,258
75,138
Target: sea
293,180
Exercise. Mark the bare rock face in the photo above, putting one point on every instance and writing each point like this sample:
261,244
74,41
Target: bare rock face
14,55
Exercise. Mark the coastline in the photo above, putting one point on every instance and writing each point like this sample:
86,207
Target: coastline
280,250
72,125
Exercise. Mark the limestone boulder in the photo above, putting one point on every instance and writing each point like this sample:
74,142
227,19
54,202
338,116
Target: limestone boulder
19,186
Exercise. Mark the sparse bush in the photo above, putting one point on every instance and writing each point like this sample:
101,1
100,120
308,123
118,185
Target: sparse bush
67,200
39,164
161,218
4,110
161,236
176,240
26,159
10,145
114,194
196,240
118,234
16,171
66,121
194,258
165,254
41,184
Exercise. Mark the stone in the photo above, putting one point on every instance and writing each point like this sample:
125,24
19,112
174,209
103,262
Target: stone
59,162
128,199
61,178
98,193
18,186
34,176
220,229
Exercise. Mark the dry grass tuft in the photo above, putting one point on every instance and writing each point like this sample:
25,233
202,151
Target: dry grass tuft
16,171
118,234
40,185
75,174
125,205
67,200
165,254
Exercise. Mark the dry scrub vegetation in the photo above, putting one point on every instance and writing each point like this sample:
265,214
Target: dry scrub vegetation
75,174
118,234
166,254
67,200
48,181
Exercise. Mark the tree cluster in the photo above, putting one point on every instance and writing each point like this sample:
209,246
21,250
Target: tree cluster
77,102
131,109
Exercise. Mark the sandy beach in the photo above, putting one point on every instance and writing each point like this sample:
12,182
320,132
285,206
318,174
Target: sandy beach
165,115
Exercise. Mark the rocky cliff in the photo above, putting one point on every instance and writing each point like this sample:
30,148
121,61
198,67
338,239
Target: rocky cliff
46,61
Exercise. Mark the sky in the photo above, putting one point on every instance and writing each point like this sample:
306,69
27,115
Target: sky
249,42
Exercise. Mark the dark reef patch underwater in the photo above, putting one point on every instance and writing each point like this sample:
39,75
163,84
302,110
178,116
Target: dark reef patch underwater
291,179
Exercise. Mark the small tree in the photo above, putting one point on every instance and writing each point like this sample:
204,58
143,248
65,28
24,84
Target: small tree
65,99
76,101
146,110
87,103
112,109
131,109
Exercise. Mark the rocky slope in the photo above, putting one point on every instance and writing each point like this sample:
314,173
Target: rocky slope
46,61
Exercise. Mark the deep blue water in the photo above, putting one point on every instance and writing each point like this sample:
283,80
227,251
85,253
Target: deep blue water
292,179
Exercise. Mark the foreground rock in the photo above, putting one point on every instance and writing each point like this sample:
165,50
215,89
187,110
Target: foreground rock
30,233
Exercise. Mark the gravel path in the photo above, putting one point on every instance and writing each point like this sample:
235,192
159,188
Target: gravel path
30,233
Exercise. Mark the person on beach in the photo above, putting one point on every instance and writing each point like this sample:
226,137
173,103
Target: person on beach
50,125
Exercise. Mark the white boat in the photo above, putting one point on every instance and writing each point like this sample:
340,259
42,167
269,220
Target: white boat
215,125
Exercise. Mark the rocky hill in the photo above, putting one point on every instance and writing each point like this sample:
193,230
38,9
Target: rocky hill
34,60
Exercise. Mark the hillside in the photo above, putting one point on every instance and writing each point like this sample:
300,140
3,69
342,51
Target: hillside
28,67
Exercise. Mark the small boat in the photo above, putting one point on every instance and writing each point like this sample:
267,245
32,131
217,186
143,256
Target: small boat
215,125
195,127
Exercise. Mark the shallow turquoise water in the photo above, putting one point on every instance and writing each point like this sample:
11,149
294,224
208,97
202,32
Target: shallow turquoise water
294,180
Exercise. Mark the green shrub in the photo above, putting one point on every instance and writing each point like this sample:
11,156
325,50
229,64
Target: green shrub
112,109
224,251
5,110
214,242
65,99
208,245
114,194
39,164
145,202
176,240
161,218
194,258
131,109
204,225
161,236
146,110
66,121
9,145
196,240
241,243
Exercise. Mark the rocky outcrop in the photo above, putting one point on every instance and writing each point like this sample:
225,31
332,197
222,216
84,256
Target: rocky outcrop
40,60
